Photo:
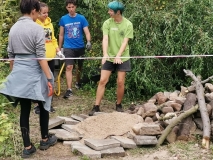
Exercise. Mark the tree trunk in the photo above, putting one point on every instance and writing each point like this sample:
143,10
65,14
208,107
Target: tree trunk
186,124
203,109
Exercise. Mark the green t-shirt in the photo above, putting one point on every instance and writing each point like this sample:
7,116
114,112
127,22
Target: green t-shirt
116,33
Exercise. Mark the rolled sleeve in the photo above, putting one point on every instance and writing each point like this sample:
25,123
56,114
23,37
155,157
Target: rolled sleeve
10,52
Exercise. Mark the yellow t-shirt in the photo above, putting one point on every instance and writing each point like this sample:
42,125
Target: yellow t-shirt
50,41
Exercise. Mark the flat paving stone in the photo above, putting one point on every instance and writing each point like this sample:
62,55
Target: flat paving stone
78,118
67,136
54,122
68,120
145,140
85,150
113,152
67,143
53,131
101,144
98,113
69,128
125,142
84,116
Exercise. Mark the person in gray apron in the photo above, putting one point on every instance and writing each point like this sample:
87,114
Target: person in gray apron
30,78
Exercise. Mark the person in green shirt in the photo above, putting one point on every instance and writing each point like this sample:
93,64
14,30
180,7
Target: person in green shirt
117,30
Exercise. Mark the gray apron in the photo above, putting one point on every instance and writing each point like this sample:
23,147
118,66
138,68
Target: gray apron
27,80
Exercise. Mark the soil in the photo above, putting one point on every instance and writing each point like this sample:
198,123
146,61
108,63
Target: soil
80,103
67,108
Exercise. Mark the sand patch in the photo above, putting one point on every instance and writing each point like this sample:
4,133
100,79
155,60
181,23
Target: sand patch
107,124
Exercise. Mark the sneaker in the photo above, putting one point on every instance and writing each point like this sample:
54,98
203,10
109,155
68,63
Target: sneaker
28,152
68,93
36,110
119,107
78,85
52,110
94,109
46,144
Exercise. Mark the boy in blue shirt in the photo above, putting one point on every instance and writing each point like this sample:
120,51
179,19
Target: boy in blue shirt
72,27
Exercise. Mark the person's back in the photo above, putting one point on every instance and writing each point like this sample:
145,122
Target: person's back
30,79
29,32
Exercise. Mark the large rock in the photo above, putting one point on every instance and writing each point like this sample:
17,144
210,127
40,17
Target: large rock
150,109
174,95
145,140
209,87
161,98
146,129
209,97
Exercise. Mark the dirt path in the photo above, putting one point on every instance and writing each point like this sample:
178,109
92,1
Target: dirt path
79,104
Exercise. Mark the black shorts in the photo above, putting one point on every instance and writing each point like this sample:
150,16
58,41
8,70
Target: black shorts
110,66
74,53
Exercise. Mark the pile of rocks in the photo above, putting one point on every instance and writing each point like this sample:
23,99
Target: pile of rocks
75,131
109,134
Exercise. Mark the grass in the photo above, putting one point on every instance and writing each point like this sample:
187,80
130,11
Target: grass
81,103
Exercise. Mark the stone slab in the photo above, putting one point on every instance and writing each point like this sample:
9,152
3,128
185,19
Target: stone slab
67,136
125,142
68,120
84,116
54,122
113,152
67,143
98,113
148,129
85,150
69,128
53,131
78,118
145,140
101,144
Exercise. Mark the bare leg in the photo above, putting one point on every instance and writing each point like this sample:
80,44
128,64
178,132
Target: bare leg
69,69
101,86
120,86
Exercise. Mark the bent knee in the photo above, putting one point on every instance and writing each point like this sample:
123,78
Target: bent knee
103,81
120,82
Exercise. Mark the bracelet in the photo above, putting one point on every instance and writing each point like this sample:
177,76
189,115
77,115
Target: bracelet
49,80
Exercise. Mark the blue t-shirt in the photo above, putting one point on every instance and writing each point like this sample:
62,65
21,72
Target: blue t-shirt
73,30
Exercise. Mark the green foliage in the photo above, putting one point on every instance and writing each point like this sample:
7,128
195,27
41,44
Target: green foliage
8,15
177,29
161,28
5,127
85,158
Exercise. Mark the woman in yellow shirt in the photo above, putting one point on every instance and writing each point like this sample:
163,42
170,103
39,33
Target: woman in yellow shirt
51,44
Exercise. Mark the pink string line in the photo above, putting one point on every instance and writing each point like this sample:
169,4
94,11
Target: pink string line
95,58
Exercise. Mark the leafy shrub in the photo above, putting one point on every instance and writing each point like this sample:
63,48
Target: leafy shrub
161,28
